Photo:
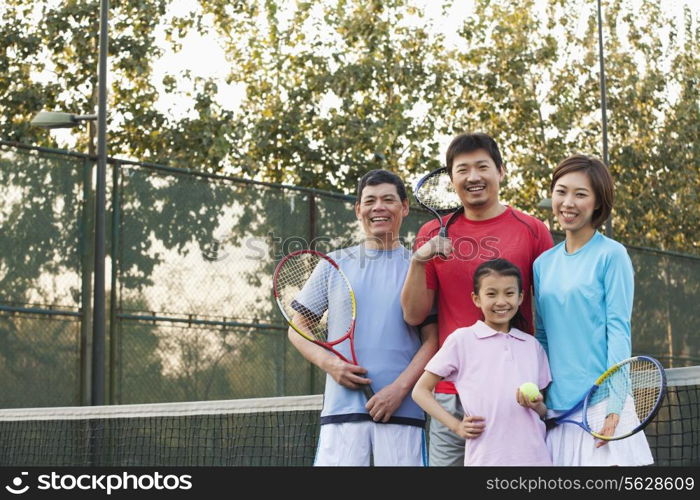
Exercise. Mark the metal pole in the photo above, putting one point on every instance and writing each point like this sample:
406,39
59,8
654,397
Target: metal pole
98,326
603,106
87,263
114,351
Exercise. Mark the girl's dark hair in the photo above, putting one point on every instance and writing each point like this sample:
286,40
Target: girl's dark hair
502,267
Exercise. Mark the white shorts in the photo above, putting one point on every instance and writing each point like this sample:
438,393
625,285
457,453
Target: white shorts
569,444
353,443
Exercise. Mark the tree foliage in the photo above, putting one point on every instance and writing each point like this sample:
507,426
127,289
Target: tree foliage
336,87
533,81
329,90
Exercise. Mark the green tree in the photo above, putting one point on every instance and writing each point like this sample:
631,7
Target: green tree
532,80
332,89
654,128
336,87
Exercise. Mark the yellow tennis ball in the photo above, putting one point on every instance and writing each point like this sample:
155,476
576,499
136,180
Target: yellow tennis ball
530,390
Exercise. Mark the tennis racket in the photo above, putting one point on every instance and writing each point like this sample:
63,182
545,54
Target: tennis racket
316,298
435,193
632,390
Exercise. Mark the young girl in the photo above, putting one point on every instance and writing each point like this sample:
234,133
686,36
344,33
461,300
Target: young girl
488,362
584,288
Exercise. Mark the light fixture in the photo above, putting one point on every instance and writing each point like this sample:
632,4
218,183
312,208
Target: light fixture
59,119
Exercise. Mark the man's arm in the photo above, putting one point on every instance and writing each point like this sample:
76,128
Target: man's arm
416,298
385,402
346,374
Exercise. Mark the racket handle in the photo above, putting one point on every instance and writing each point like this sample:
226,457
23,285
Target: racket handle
368,391
443,231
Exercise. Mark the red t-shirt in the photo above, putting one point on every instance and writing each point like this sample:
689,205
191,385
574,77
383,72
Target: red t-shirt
512,235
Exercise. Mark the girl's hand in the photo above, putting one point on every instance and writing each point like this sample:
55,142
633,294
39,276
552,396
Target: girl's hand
470,427
537,405
523,400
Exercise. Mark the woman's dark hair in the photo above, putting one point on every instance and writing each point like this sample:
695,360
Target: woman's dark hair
601,182
502,267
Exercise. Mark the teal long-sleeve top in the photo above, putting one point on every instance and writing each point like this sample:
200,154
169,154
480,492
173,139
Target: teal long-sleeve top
583,312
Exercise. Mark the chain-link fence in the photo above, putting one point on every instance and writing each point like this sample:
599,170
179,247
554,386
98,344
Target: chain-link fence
191,255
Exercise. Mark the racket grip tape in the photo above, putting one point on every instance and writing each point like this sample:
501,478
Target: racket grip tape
368,391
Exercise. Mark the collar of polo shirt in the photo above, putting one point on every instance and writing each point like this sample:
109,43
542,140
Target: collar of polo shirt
482,330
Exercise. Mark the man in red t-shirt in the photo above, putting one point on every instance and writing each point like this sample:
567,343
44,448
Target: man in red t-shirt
441,269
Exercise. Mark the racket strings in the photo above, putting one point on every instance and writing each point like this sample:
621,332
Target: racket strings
631,392
438,193
647,384
306,285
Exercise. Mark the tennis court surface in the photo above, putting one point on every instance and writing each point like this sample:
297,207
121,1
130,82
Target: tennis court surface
251,432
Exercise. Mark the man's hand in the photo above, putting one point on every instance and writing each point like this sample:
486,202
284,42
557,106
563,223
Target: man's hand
346,374
384,403
437,245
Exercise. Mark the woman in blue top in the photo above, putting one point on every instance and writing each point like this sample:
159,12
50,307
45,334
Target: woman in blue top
584,288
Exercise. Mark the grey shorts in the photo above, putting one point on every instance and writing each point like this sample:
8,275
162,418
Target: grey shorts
445,448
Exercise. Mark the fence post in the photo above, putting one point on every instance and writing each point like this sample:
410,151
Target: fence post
87,258
114,344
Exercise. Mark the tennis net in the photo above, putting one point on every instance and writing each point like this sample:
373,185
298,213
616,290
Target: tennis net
252,432
247,432
674,434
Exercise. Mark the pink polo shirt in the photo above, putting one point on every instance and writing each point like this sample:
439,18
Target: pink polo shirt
487,367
